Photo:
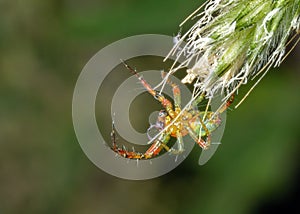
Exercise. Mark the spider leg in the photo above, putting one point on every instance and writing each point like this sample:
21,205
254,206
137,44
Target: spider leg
157,146
207,133
198,100
199,141
154,150
204,127
122,151
164,101
197,137
175,89
227,104
180,144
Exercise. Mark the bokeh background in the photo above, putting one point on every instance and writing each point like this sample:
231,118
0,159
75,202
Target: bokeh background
43,47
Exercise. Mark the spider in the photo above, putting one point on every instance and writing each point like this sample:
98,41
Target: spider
174,122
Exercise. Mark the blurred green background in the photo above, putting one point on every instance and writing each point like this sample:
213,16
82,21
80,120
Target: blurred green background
43,47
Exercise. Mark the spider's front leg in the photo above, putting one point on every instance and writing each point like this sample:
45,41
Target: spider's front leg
164,101
175,90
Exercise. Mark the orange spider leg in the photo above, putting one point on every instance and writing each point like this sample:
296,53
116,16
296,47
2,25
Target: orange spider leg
175,89
153,151
165,102
227,104
199,141
205,144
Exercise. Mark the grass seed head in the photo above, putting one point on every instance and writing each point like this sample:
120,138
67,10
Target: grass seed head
234,40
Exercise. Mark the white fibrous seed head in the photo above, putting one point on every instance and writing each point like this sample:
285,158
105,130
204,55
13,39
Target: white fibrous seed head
234,40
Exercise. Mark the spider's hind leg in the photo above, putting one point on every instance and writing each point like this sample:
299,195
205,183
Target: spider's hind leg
202,143
122,151
159,144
